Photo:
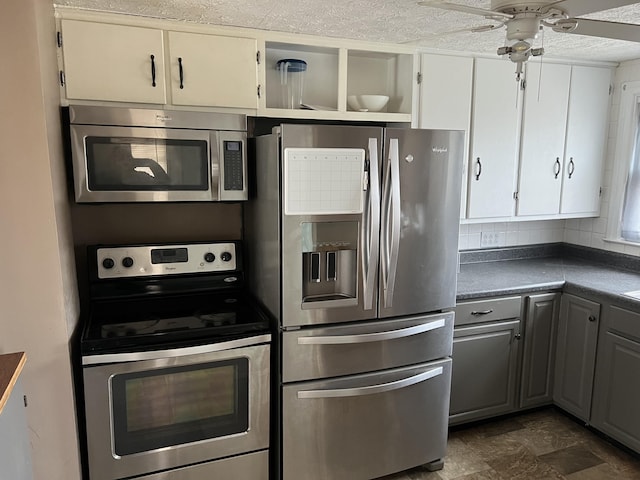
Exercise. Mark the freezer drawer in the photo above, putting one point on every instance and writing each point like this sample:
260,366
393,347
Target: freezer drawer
366,426
345,350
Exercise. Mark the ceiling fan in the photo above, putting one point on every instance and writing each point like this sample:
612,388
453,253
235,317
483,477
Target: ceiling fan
524,19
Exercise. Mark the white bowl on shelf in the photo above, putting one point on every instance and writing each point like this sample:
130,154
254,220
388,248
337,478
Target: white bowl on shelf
367,103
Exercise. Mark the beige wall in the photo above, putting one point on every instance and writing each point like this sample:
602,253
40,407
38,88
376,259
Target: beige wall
37,292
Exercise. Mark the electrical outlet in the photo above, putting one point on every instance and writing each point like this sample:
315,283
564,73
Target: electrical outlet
492,239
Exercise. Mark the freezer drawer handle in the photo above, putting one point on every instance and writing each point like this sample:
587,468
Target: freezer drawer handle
371,389
372,337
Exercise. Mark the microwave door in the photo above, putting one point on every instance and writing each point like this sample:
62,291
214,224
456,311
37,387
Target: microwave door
422,171
123,164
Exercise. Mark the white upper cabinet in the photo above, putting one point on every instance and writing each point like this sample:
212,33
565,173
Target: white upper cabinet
543,132
445,100
563,137
212,70
445,92
113,62
587,122
495,127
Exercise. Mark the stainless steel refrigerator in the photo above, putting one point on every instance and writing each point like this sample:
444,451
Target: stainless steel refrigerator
352,238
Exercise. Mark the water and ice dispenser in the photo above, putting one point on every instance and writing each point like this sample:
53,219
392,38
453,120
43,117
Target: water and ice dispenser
329,264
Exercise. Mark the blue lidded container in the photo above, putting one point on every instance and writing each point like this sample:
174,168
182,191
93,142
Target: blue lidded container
292,72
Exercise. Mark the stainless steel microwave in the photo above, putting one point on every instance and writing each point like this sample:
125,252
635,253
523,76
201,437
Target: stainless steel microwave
144,155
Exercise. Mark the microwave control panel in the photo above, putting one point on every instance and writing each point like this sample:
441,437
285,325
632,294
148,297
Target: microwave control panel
233,166
146,261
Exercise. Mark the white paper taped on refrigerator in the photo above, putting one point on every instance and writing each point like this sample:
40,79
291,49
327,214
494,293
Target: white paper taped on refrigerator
323,181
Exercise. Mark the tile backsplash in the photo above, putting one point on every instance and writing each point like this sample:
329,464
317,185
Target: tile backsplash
510,234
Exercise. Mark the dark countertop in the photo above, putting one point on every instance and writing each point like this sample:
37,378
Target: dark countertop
598,280
10,367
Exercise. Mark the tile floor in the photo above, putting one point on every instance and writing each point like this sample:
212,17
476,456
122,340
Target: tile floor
539,445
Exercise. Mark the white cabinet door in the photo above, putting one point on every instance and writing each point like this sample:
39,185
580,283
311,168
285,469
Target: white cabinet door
586,136
445,92
113,62
494,140
445,99
543,133
210,70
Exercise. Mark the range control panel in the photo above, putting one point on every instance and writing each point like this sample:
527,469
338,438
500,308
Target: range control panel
146,261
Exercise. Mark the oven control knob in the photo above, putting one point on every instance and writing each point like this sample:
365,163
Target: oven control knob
209,257
108,263
127,262
225,256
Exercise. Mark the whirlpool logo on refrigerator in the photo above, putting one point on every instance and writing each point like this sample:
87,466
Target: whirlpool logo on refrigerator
439,149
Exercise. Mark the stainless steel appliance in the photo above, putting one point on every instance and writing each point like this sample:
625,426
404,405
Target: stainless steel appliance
143,155
176,365
353,237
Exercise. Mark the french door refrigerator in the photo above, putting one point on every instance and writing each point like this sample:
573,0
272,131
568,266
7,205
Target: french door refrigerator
352,236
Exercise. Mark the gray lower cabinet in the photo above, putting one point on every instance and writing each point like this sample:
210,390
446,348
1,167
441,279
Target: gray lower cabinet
538,358
576,355
616,395
484,378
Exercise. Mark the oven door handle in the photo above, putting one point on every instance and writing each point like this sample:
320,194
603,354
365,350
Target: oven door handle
174,352
372,337
371,389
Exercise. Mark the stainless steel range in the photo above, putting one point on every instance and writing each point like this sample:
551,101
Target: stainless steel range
175,359
354,237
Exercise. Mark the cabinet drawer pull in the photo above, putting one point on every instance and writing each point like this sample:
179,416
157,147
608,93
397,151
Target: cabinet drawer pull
477,313
153,70
181,72
557,167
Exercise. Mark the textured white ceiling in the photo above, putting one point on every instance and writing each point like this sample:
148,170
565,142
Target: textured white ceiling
392,21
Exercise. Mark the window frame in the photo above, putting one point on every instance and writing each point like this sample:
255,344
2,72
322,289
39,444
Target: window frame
628,125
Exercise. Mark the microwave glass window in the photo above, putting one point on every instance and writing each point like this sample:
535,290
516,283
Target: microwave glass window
139,164
160,408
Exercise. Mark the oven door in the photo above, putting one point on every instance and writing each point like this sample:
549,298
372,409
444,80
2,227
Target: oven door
158,410
123,164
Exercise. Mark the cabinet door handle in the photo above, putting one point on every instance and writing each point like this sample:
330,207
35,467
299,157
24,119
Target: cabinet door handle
518,336
181,72
479,169
572,167
481,312
592,318
153,70
556,170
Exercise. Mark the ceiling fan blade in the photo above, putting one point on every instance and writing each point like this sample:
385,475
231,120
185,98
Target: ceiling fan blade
576,8
464,8
615,30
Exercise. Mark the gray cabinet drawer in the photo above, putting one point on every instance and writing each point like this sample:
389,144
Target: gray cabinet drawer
490,310
624,322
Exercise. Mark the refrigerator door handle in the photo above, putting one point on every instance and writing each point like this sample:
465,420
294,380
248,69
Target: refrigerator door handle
371,389
372,337
371,228
392,220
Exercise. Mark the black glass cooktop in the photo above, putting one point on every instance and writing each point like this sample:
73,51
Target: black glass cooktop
171,321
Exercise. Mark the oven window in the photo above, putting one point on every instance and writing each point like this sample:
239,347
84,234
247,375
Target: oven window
173,406
147,164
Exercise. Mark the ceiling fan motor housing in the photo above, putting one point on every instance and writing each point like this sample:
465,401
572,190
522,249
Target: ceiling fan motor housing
523,28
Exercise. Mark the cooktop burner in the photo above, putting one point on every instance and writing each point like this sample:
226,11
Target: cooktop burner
159,322
204,303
